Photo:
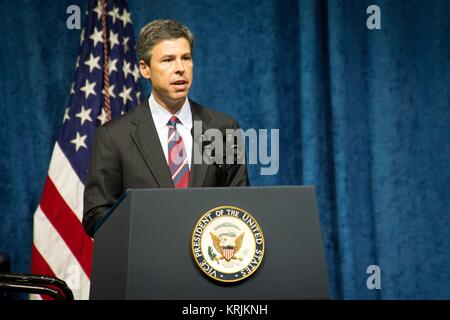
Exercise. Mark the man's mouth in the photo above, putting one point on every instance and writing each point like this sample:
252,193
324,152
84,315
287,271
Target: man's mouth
180,84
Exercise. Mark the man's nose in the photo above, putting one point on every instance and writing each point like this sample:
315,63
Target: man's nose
179,66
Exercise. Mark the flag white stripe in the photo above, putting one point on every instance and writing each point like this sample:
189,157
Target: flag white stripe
58,256
66,181
34,297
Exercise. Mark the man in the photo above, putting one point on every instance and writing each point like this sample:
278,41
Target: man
152,146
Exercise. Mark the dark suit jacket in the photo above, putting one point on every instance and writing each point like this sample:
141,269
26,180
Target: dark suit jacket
127,154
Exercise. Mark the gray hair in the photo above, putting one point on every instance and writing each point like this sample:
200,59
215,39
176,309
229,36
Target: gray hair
158,30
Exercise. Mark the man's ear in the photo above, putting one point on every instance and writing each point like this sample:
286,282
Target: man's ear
144,69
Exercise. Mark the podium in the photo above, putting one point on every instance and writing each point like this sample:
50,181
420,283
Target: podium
142,250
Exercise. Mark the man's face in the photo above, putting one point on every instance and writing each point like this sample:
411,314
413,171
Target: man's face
170,71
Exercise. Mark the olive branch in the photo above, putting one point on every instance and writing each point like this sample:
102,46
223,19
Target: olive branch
211,253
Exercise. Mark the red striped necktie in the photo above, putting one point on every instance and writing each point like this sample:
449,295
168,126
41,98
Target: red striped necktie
178,165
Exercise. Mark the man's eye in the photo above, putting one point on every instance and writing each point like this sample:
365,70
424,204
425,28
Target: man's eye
187,58
167,60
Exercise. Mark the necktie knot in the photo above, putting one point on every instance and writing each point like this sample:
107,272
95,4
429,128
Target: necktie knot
173,121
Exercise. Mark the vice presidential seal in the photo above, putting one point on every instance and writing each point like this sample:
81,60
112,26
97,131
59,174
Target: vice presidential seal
227,244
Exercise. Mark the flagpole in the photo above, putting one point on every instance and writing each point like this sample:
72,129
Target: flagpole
105,90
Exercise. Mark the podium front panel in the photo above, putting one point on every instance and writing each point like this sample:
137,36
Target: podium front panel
158,248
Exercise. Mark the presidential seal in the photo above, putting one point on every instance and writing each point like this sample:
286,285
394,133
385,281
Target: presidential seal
227,244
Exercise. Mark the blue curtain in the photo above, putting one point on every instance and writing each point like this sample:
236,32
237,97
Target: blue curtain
363,115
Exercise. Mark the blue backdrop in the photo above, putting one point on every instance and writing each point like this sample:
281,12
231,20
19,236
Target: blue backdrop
363,115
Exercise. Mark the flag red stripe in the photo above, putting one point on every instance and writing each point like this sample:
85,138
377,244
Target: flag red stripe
40,267
38,264
67,224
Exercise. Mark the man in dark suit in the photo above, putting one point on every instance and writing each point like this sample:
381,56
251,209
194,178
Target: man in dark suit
153,146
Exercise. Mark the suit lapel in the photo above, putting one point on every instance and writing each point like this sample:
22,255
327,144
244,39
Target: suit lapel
147,140
198,171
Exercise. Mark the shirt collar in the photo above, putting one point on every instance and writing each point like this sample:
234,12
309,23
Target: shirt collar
161,116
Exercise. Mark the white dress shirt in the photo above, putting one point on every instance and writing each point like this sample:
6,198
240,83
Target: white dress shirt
161,117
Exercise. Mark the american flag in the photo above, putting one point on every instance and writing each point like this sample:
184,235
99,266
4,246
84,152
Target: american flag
106,73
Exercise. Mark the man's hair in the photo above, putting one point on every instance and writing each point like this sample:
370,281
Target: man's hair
158,30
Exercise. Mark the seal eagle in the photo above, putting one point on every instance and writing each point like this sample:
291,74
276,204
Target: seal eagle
227,247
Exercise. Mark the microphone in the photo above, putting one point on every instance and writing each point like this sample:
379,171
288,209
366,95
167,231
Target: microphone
202,141
229,143
203,147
